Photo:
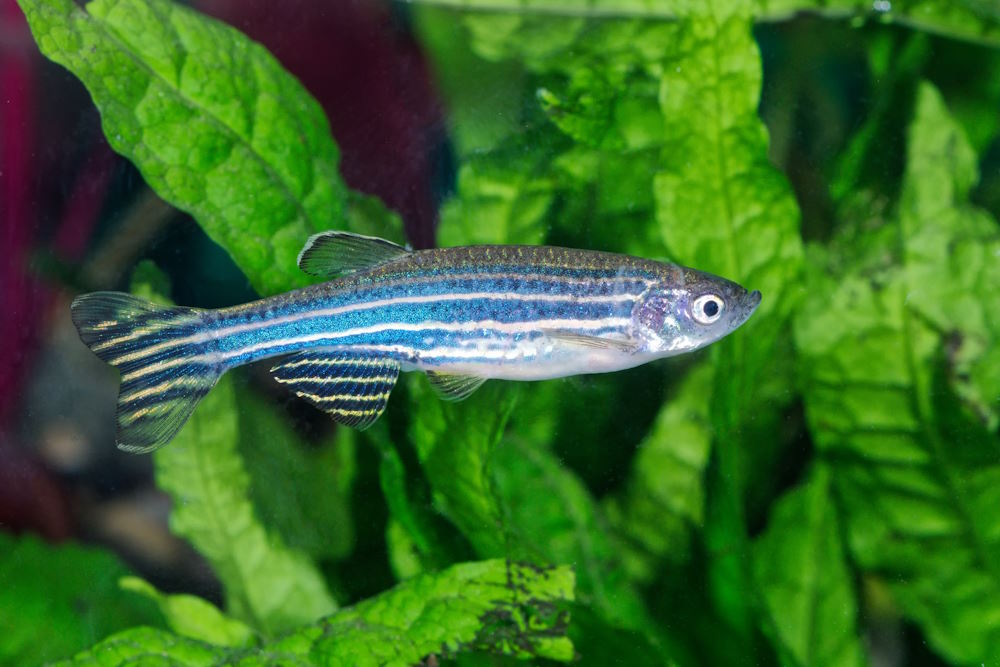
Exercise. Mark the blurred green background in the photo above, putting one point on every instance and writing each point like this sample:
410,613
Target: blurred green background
820,488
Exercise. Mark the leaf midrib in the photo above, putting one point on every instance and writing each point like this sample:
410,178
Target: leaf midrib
947,475
112,36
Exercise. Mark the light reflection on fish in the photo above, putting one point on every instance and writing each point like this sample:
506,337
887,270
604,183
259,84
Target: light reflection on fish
461,315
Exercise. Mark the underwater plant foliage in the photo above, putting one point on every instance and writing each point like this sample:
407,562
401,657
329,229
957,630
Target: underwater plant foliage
650,516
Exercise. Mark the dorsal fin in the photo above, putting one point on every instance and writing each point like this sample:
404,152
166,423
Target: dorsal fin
329,254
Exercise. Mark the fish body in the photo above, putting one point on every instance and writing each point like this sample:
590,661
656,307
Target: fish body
462,315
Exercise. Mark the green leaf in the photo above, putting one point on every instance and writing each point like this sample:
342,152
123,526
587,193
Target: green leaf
722,207
586,110
871,167
404,557
503,197
915,472
55,600
414,536
392,476
552,516
974,20
301,490
494,606
267,585
455,443
191,616
212,121
483,98
589,79
599,641
367,215
946,236
803,576
664,499
148,646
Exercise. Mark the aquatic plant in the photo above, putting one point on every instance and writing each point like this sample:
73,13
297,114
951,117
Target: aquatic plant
873,361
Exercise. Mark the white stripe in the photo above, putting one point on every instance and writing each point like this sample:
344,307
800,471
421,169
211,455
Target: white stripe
183,380
204,336
323,361
646,282
335,379
491,326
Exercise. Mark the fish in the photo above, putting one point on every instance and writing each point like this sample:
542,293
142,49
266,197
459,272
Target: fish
461,315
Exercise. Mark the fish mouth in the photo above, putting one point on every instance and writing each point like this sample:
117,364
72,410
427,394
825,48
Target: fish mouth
747,307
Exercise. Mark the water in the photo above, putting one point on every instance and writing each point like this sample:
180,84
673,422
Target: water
814,489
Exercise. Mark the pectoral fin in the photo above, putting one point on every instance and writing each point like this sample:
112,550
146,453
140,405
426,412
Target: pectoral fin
454,387
353,388
330,254
596,342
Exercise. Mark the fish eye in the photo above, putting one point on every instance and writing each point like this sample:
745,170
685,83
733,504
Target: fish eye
707,308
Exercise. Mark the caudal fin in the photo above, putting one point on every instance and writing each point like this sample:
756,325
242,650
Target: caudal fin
163,354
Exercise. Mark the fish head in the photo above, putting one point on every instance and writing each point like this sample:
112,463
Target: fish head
691,309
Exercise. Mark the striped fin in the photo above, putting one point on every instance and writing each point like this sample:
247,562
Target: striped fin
329,254
352,387
454,387
159,388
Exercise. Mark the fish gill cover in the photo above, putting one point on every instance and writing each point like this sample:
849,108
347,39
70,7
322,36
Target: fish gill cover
518,520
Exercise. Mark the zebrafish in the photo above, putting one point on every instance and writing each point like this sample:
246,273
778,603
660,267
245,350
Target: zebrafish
461,315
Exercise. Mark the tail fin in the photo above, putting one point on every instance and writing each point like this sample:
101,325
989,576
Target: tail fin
163,354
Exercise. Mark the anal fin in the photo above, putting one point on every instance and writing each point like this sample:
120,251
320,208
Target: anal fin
452,387
351,387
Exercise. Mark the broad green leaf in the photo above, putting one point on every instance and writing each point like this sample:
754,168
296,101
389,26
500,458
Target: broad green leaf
414,533
915,472
589,79
191,616
664,499
803,577
455,443
731,588
55,600
723,208
301,491
212,121
267,585
149,646
598,641
484,98
392,476
494,606
946,236
404,558
871,167
553,517
503,197
367,215
974,20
